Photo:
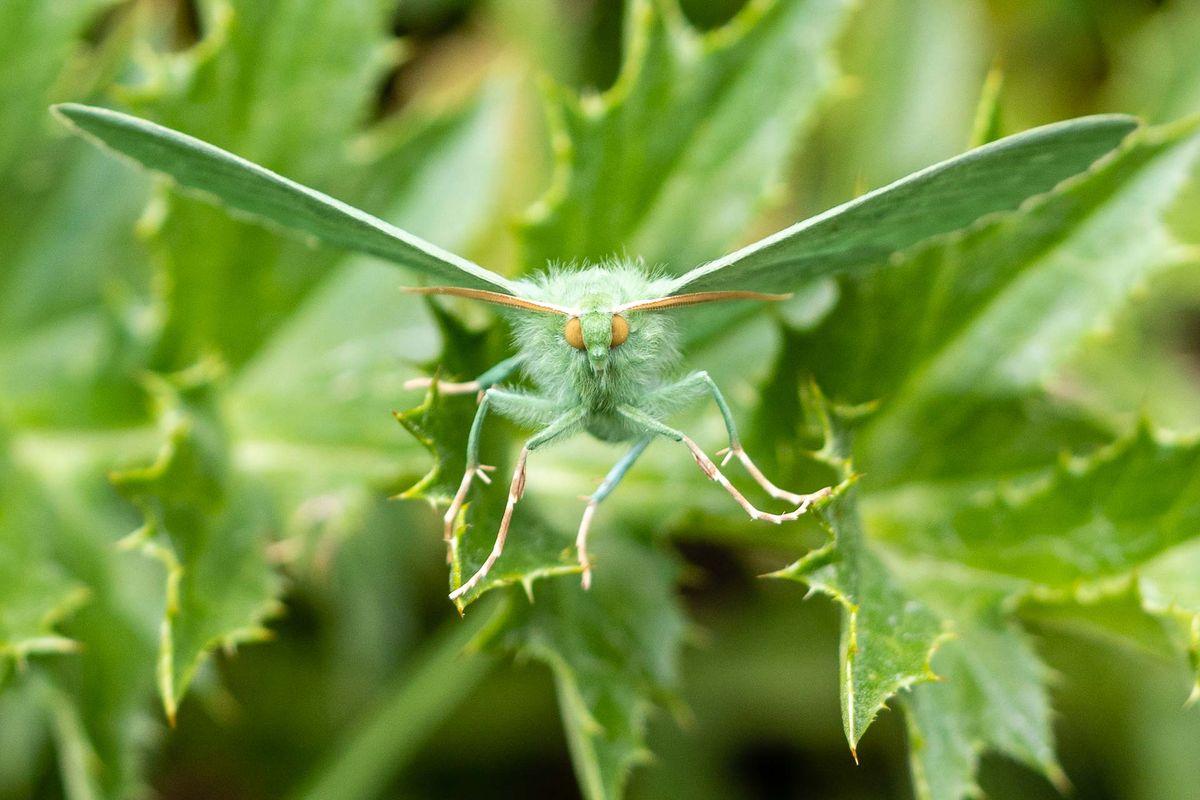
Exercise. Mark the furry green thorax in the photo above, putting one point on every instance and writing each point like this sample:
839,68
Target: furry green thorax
600,376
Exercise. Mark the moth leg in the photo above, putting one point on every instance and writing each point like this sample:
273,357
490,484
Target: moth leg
474,469
481,384
562,426
651,425
604,490
735,449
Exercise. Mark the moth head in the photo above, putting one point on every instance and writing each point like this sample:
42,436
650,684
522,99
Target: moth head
596,333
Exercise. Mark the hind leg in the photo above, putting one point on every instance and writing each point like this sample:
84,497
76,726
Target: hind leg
604,490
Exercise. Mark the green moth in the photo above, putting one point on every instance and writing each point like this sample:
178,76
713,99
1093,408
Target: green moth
597,343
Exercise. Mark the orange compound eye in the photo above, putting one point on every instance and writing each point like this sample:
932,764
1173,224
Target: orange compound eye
574,333
620,330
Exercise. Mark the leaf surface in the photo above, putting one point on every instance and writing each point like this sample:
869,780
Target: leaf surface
207,529
888,636
1126,514
613,650
978,325
991,696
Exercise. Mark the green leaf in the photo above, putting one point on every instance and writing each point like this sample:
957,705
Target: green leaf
95,696
1129,512
36,593
1095,517
614,652
208,530
244,187
888,636
991,694
664,165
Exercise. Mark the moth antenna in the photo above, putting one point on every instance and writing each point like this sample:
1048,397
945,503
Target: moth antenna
495,297
695,298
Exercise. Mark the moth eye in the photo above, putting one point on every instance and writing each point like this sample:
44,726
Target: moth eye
574,333
620,330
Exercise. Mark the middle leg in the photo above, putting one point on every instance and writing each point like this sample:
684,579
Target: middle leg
735,450
652,425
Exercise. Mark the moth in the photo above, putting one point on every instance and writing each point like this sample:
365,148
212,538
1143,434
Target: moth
597,343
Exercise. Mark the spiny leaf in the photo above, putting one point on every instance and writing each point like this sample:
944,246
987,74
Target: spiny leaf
208,530
1128,512
888,636
613,650
1095,517
991,695
441,424
663,165
36,593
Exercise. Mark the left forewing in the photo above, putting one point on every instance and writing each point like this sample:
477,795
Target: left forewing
945,197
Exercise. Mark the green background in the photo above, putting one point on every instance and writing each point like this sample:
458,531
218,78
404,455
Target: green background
198,451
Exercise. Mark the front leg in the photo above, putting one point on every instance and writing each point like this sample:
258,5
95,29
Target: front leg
735,449
566,424
650,425
512,400
487,380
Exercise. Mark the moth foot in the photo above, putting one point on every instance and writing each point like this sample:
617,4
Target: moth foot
516,489
802,501
585,525
736,451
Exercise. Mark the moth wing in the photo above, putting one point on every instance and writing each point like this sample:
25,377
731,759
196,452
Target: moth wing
246,188
942,198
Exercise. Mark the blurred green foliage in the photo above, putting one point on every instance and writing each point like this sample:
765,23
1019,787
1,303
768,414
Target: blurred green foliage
180,385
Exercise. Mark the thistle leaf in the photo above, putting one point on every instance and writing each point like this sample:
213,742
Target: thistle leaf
613,650
888,636
663,166
207,530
